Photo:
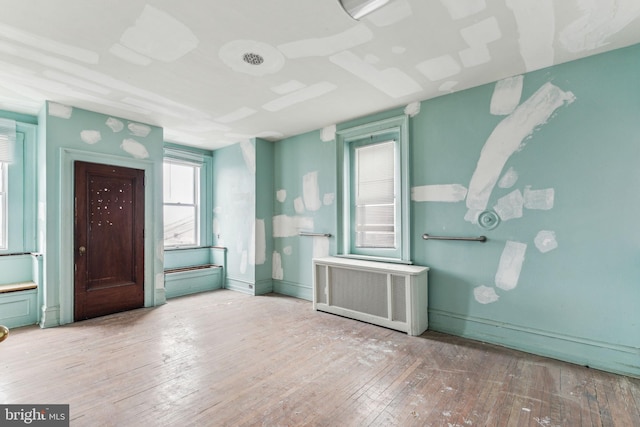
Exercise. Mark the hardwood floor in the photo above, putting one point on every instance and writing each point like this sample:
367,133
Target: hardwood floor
226,359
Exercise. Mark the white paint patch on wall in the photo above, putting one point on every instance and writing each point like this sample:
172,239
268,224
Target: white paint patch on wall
509,178
311,191
298,205
320,247
328,199
601,20
160,281
289,226
325,46
310,92
412,109
392,81
129,55
90,136
287,250
160,36
439,68
510,265
288,87
249,155
392,13
134,148
232,55
510,206
485,295
536,28
539,199
138,129
478,36
281,195
261,242
506,95
459,9
277,272
439,193
239,114
508,137
328,133
546,241
60,110
244,262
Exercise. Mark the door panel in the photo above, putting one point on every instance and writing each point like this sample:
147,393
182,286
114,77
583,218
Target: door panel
109,239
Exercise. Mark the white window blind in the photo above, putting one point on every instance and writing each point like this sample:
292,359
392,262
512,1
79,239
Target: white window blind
7,140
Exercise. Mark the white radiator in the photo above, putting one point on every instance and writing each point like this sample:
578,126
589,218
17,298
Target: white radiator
390,295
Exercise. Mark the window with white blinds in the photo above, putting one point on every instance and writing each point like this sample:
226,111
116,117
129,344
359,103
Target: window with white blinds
7,147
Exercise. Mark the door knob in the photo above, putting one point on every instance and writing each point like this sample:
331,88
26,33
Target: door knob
82,250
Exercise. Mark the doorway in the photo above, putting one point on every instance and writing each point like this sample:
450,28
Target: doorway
108,239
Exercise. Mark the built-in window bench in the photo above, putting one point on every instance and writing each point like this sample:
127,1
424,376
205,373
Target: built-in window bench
192,270
21,273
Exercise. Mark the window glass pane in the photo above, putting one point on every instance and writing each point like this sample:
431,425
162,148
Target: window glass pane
3,205
180,225
179,183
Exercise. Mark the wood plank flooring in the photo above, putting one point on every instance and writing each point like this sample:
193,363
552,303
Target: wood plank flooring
227,359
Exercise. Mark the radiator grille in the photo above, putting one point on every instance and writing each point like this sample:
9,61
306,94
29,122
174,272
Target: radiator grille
366,291
399,303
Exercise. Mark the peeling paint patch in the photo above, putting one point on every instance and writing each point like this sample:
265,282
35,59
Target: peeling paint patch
289,226
439,68
392,81
412,109
249,155
134,148
114,124
302,95
277,273
129,55
508,137
328,199
439,193
506,96
510,206
485,295
478,36
138,129
325,46
328,133
539,199
536,28
510,265
232,55
281,195
509,178
320,247
546,241
239,114
459,9
261,242
393,13
160,36
298,205
90,136
311,191
59,110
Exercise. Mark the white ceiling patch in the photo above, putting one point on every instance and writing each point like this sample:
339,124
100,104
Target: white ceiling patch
412,109
536,28
510,265
128,55
546,241
478,36
311,191
252,57
60,110
90,136
114,124
539,199
485,295
139,129
328,133
302,95
354,36
134,148
439,68
459,9
249,155
392,13
160,36
239,114
281,195
290,226
277,273
509,179
508,137
510,206
439,193
288,87
601,20
392,81
506,95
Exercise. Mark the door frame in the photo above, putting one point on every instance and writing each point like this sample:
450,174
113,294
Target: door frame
153,265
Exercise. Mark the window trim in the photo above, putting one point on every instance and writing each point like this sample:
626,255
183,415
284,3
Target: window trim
344,140
4,205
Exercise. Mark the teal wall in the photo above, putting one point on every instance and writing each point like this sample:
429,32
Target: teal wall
574,298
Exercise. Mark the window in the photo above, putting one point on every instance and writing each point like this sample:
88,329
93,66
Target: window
3,204
373,186
181,204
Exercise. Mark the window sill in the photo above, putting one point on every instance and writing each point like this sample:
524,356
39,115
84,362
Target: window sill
375,258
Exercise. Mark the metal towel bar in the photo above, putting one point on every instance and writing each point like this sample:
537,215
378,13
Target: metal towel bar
466,239
304,233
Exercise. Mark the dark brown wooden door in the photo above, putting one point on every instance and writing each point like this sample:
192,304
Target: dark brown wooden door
109,239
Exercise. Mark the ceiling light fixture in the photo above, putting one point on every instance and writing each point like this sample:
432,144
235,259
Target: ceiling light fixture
252,58
359,8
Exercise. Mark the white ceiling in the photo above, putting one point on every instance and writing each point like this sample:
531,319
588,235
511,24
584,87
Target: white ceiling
179,64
